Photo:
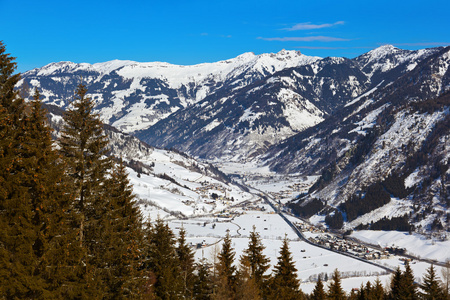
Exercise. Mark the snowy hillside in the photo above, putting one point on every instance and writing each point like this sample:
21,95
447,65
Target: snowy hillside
133,96
391,144
166,183
353,124
231,109
237,124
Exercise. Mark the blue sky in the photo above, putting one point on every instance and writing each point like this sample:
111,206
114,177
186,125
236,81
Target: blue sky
190,32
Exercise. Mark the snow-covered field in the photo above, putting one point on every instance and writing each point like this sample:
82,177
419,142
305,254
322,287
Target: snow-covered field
189,190
206,220
309,260
415,244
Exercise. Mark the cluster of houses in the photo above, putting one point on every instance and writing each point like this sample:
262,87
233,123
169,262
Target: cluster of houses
254,207
228,214
213,191
310,228
334,243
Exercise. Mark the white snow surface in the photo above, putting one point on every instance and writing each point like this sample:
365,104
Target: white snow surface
177,75
300,113
383,63
184,79
408,129
368,121
191,195
415,244
207,221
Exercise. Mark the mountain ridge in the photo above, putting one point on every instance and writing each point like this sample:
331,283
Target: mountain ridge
358,124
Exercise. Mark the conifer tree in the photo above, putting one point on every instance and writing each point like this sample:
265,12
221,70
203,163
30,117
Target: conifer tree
186,262
402,284
83,145
431,285
408,288
51,203
246,284
335,290
226,277
396,283
124,238
361,294
36,255
161,260
258,262
319,292
285,284
203,282
16,231
377,292
8,95
29,196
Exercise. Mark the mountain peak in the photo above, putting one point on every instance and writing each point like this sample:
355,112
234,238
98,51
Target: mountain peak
109,66
289,52
382,51
387,47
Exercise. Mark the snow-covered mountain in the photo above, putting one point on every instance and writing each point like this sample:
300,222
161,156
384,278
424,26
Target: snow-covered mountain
233,109
133,96
168,184
377,124
237,124
392,141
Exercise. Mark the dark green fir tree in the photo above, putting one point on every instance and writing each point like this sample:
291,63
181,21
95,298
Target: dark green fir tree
83,146
51,203
36,253
123,238
161,262
431,286
285,284
246,284
319,292
203,282
378,292
396,284
335,290
225,282
16,229
187,267
258,262
408,287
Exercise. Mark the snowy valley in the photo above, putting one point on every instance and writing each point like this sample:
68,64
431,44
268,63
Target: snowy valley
277,136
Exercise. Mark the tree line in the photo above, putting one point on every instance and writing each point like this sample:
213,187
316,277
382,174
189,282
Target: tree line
70,227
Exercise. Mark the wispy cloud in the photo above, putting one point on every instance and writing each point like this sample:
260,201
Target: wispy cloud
305,39
309,26
227,36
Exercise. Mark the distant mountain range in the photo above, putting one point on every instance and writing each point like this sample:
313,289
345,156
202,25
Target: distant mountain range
373,125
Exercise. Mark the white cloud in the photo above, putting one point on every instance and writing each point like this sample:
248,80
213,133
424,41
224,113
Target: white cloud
305,39
309,26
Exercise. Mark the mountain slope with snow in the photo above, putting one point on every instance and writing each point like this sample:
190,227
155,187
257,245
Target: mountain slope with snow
168,184
133,96
395,137
237,124
233,109
377,123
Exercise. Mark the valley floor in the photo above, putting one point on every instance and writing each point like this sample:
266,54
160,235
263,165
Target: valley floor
206,221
